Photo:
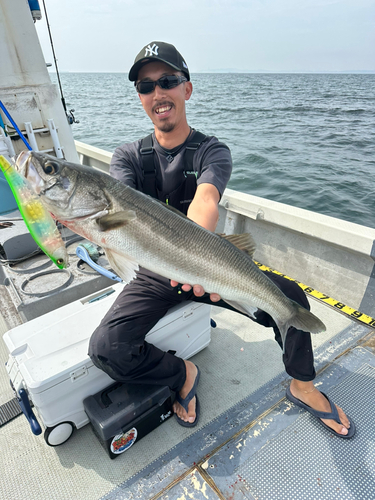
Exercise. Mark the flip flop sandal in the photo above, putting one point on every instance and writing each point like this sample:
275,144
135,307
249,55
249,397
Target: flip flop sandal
184,402
334,415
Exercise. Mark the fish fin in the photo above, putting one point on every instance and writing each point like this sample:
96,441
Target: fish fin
116,220
302,319
123,266
98,215
243,242
243,308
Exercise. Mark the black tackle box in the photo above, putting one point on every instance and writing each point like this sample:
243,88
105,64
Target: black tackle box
122,414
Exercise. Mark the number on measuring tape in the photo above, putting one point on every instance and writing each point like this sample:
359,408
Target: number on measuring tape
340,305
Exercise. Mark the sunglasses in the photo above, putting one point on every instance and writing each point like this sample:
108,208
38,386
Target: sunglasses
165,82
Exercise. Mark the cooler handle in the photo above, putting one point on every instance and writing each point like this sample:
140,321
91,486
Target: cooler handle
24,403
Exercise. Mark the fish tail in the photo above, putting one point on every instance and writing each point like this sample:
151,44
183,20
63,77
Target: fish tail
302,319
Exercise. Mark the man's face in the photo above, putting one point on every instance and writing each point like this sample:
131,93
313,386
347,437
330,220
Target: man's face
165,107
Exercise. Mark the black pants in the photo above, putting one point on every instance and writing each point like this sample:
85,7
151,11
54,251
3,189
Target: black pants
118,345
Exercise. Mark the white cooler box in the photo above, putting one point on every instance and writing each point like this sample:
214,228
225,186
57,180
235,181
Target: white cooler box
48,362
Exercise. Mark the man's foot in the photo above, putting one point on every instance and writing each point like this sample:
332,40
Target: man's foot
305,392
191,375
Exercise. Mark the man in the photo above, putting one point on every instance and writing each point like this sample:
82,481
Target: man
189,171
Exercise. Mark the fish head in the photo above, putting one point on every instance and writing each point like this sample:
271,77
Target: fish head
69,191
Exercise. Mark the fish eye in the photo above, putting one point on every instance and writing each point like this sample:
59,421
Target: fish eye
51,167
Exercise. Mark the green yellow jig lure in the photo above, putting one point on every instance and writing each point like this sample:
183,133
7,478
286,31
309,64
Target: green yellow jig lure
37,219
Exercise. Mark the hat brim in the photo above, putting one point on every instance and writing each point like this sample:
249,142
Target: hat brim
133,73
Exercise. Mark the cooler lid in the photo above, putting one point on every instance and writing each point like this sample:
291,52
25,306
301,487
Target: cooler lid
49,348
175,313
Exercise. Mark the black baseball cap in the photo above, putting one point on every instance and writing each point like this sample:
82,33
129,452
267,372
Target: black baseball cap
159,51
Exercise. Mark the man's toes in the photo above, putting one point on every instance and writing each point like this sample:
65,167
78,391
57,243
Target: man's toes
343,418
342,430
181,413
339,428
189,416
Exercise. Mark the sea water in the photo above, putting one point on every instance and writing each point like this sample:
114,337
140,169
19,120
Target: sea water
307,140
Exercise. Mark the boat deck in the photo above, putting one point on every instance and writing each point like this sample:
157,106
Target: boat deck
250,442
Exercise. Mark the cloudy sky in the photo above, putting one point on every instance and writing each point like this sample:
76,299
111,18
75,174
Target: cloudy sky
212,35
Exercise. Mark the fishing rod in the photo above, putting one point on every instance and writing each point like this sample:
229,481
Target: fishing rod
70,116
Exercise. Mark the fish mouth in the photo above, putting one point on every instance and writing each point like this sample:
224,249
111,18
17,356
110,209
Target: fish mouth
25,167
22,162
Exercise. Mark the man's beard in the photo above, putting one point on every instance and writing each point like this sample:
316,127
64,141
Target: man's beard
166,127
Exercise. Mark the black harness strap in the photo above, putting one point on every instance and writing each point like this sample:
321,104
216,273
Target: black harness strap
149,170
148,162
191,148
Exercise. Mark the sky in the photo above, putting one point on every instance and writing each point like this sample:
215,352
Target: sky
213,35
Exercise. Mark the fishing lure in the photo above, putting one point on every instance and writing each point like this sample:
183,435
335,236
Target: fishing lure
37,219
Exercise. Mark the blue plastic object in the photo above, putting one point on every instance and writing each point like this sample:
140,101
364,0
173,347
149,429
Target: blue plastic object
7,201
24,403
15,126
34,4
83,254
35,10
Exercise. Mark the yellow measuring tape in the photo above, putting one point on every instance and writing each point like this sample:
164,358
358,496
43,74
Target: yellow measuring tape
343,308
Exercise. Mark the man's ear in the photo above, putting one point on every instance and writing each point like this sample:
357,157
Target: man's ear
188,90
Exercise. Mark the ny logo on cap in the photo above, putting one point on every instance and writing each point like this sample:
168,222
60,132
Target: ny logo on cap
151,51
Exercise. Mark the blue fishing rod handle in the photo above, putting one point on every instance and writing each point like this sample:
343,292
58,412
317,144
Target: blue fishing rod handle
83,254
24,403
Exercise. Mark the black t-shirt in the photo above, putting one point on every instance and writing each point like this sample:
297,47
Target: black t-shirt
212,164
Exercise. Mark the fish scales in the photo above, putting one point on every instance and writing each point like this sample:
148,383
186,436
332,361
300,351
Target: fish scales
172,243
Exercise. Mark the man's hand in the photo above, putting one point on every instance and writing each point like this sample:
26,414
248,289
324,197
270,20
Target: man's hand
198,291
204,211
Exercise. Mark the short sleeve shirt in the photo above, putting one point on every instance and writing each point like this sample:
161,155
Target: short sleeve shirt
212,164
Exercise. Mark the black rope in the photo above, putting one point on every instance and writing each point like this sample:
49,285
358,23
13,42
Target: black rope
54,57
50,292
32,270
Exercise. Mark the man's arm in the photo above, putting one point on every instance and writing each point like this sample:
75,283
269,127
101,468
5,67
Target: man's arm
204,208
122,165
204,211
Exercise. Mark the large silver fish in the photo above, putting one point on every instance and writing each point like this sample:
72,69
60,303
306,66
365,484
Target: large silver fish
135,229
